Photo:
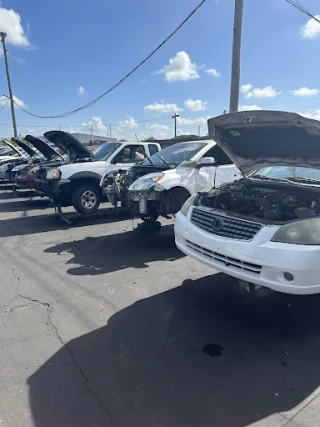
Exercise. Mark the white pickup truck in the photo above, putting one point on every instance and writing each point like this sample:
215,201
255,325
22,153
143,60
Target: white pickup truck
77,182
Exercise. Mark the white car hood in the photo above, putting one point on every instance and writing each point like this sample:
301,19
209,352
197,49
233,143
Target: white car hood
258,139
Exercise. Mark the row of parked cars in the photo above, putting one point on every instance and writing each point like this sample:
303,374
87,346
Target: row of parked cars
247,201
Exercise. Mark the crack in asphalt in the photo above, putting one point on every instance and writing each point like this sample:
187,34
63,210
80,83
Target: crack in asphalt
11,309
49,310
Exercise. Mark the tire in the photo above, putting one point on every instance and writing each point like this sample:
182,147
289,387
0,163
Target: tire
86,199
176,198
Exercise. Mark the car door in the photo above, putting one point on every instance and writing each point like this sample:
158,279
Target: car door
127,157
226,170
221,171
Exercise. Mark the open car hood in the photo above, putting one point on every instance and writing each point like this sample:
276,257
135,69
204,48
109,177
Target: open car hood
258,139
14,148
29,150
44,148
69,144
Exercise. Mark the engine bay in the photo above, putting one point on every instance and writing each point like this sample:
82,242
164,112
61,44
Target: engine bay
268,201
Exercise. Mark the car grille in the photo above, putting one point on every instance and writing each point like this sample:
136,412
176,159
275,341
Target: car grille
225,260
224,226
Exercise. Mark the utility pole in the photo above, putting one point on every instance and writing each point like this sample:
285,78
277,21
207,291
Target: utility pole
236,57
14,123
175,124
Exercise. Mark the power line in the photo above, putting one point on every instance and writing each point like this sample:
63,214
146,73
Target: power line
90,103
5,104
299,6
88,126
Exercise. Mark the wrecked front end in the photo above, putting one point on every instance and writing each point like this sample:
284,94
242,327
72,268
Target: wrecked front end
115,186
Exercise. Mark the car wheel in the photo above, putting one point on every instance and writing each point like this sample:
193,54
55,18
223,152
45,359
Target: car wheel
86,199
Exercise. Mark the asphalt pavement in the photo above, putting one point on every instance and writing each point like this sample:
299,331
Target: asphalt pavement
104,325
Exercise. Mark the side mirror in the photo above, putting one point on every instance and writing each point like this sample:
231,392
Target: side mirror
117,159
207,161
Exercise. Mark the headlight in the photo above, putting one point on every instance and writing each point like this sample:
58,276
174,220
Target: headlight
187,205
146,182
305,232
53,174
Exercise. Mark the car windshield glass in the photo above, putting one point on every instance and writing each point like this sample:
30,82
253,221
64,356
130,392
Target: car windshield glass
175,154
289,172
104,151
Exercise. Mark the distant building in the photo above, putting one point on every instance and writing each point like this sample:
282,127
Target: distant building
86,139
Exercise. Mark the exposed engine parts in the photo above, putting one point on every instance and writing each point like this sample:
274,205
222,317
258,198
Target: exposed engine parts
265,200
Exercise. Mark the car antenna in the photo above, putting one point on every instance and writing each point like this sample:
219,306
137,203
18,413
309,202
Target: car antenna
143,149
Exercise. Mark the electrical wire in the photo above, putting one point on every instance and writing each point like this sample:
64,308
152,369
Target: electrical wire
89,126
90,103
298,5
5,104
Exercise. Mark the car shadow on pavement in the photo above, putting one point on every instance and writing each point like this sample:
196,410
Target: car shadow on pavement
191,356
118,251
27,224
24,205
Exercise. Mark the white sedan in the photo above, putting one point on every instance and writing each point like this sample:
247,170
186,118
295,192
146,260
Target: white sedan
265,228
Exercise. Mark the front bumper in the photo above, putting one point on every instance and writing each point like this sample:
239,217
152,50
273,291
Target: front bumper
258,261
59,191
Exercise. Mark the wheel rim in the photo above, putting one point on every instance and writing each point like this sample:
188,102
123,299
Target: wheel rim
89,199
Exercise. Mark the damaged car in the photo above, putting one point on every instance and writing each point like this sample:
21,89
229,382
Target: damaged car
23,155
23,176
161,184
263,229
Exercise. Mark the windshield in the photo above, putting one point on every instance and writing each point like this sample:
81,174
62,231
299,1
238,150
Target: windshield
104,151
292,172
175,154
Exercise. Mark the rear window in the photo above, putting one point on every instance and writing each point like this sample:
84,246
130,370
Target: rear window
153,148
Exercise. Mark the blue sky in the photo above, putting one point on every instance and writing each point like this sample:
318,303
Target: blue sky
57,47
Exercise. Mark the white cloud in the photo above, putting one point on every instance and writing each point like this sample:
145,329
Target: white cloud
305,91
213,72
249,108
266,92
5,102
180,68
245,89
99,128
129,123
10,23
162,108
186,122
19,60
81,90
311,29
197,105
313,115
159,131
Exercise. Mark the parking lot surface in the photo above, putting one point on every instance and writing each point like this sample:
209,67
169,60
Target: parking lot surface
104,325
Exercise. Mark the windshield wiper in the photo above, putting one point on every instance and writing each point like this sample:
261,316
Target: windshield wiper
302,179
269,178
166,163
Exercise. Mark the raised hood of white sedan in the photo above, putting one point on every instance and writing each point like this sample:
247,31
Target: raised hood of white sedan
258,139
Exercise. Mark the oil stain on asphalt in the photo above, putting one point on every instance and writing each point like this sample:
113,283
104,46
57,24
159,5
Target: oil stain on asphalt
213,350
